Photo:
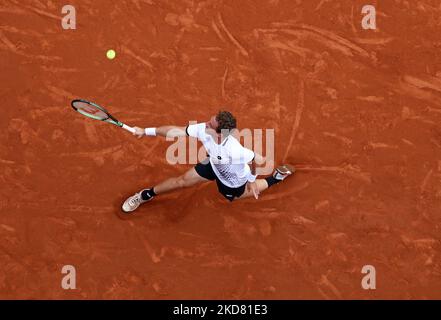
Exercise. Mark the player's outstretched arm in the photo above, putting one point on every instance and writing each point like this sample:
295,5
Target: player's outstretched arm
164,131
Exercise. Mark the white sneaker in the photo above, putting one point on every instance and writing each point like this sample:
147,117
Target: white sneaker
283,171
132,203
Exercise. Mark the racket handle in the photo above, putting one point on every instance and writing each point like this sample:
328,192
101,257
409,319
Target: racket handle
132,130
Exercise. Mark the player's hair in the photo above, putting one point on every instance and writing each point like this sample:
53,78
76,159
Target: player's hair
226,121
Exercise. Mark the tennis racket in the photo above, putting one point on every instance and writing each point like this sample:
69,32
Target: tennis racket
94,111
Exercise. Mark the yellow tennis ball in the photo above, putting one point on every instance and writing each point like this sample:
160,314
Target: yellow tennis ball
111,54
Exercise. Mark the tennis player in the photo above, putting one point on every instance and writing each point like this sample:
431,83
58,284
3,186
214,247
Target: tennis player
227,162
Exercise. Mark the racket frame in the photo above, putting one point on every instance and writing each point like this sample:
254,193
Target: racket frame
113,120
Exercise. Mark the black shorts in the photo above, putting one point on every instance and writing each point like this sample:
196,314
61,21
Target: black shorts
205,170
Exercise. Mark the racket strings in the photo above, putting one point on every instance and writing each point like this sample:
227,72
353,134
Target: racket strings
90,110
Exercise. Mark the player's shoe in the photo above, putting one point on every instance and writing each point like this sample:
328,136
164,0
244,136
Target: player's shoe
132,203
283,171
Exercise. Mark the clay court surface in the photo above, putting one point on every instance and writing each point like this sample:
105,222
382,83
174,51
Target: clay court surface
357,111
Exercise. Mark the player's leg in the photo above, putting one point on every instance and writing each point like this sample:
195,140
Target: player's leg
262,185
279,175
188,179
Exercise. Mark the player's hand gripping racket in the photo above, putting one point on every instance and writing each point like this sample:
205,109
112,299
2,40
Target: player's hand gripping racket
94,111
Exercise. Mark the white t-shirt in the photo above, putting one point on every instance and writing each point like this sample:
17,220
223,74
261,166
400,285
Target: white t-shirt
229,159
